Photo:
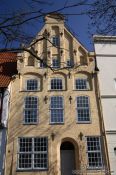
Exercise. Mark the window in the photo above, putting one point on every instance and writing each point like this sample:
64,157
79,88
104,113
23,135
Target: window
55,40
33,153
94,152
31,110
81,84
56,84
83,109
32,85
55,63
56,109
69,63
31,61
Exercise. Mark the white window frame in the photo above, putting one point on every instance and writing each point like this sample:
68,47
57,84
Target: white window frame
38,85
97,151
61,109
83,84
36,110
83,109
33,152
57,83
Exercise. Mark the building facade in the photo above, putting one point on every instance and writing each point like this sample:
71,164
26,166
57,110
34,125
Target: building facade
7,70
105,49
55,125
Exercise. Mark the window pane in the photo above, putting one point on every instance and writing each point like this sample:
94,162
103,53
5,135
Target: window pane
25,161
32,85
55,63
33,153
83,109
56,108
31,110
25,145
81,84
94,152
56,84
55,40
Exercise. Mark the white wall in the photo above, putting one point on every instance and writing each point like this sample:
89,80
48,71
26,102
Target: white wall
111,140
107,74
109,113
106,62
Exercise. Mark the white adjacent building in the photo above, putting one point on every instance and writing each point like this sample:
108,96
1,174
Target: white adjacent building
105,49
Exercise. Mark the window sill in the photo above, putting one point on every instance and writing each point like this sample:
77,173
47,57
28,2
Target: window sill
84,122
95,168
56,123
81,90
30,123
30,170
56,90
30,91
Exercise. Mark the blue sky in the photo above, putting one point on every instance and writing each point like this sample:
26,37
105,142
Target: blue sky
78,24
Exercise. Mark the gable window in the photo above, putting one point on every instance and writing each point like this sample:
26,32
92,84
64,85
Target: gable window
55,62
32,85
56,109
33,153
83,109
31,110
94,152
56,84
55,40
81,84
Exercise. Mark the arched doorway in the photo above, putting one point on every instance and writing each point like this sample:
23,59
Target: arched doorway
67,157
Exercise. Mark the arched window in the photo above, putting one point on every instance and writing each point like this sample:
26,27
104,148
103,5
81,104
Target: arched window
30,110
31,85
56,109
83,109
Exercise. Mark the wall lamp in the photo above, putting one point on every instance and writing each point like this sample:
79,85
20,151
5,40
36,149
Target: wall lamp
81,136
69,75
61,34
70,99
45,74
52,136
75,51
45,99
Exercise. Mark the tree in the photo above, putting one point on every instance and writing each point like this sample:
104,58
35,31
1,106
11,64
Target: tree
13,25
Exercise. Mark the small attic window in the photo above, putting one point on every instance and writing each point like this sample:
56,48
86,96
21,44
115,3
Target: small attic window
31,61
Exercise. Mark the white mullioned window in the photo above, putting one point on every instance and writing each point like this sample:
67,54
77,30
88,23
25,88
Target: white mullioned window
56,109
31,110
55,40
32,85
94,152
56,84
32,153
83,109
81,84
